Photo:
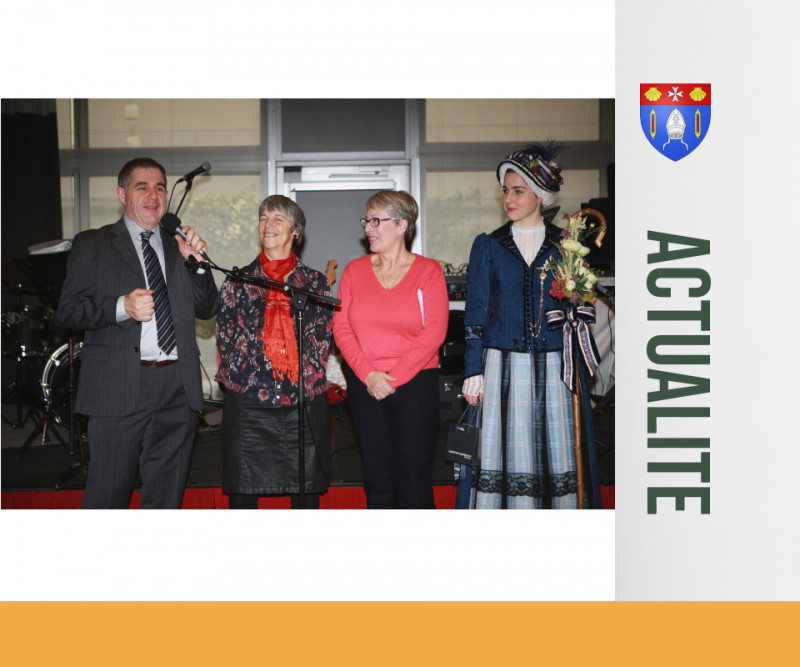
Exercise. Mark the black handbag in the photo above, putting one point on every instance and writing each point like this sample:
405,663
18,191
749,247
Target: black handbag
464,438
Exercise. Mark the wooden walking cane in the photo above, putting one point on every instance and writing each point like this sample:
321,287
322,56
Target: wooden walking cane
576,396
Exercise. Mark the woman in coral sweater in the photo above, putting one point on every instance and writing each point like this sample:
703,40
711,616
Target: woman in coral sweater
392,321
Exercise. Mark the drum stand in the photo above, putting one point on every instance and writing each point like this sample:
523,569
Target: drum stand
49,419
17,386
75,431
41,429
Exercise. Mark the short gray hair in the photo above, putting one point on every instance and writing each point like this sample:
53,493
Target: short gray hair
287,207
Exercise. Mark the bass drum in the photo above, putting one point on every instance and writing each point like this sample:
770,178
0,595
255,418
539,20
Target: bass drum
55,380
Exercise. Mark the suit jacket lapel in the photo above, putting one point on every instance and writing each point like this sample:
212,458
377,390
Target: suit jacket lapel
172,256
124,245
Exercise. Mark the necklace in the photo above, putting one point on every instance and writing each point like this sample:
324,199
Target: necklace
535,331
397,279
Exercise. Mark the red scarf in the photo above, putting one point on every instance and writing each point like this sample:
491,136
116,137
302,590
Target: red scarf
280,344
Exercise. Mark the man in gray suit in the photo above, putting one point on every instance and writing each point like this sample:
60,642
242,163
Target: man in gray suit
130,289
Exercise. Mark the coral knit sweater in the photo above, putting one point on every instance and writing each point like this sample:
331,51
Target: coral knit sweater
383,330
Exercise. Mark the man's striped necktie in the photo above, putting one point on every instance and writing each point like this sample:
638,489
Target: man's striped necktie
155,282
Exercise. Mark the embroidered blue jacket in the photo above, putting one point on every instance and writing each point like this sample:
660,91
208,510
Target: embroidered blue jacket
507,298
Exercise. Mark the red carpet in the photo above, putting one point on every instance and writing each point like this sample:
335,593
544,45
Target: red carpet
337,497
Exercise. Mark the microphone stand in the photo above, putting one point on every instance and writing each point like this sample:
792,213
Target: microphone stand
188,187
298,298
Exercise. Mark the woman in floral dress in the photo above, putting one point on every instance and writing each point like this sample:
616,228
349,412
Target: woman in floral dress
260,370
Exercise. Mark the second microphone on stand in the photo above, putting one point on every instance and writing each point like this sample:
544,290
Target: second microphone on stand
202,169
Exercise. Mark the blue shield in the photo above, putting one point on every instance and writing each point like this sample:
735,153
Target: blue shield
675,116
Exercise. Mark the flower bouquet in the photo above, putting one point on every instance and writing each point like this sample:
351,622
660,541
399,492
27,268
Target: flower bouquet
573,278
574,285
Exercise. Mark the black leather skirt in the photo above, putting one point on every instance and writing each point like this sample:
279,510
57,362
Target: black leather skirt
260,447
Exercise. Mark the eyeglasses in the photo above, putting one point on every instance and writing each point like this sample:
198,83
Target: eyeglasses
373,222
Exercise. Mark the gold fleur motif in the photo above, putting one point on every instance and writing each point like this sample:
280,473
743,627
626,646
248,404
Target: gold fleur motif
698,94
653,94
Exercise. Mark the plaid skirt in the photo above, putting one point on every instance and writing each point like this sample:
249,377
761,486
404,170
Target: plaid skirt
527,456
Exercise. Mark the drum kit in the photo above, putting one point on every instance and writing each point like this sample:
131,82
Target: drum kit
45,359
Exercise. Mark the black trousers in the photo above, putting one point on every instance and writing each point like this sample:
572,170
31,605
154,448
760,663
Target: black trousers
397,438
156,439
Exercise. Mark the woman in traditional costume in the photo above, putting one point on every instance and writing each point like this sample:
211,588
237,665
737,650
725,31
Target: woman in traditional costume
512,361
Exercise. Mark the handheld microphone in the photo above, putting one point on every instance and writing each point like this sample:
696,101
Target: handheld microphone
172,225
203,168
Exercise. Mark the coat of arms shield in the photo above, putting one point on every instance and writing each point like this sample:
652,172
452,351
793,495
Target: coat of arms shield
675,116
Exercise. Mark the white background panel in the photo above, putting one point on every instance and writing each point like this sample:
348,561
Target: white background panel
737,189
310,49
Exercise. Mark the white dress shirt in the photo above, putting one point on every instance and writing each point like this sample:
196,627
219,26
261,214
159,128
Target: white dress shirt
148,347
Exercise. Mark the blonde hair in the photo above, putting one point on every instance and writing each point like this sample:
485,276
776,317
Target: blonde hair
398,204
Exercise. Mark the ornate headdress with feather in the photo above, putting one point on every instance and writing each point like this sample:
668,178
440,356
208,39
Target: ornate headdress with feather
536,165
